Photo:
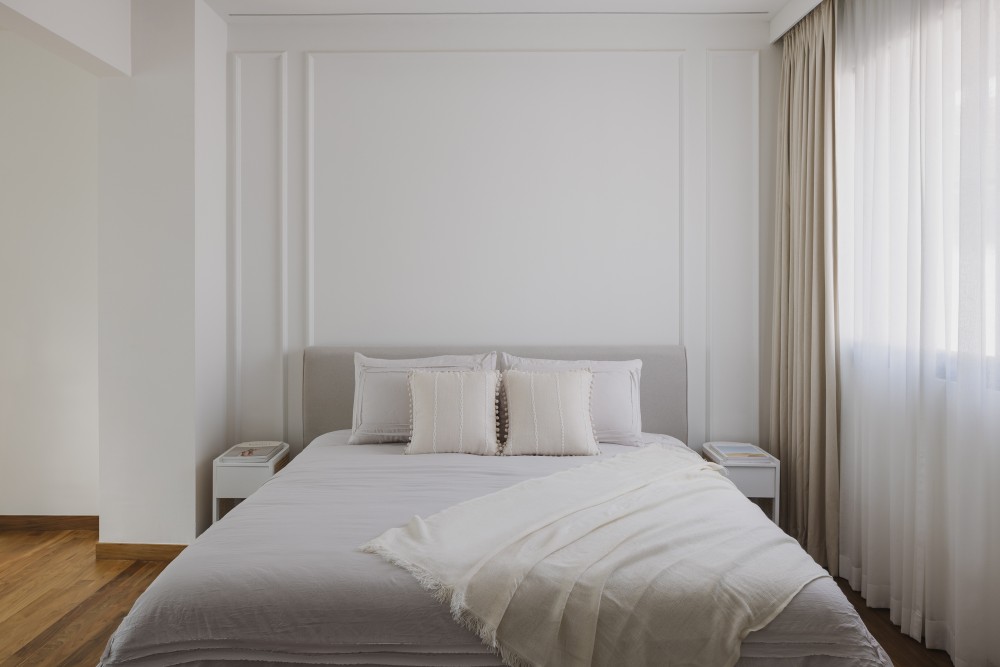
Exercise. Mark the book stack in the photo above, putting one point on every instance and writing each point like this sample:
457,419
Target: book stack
252,452
737,453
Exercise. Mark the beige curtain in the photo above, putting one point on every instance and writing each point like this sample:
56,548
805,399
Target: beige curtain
804,385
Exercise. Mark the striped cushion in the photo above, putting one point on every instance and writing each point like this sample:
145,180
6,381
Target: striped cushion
454,411
549,413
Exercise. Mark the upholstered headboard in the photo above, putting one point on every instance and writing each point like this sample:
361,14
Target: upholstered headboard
328,380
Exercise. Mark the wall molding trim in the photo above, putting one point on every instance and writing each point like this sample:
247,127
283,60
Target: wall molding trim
151,552
332,126
310,195
47,522
259,243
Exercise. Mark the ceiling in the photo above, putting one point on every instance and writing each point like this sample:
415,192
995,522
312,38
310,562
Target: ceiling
254,10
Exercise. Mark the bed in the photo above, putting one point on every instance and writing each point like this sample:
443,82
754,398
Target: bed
281,579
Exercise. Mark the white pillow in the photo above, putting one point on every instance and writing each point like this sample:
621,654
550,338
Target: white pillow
549,413
454,411
382,397
615,403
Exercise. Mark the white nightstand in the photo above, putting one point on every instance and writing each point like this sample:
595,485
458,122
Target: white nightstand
237,480
755,477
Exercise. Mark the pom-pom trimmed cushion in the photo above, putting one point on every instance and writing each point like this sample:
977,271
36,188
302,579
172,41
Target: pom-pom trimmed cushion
381,392
549,413
454,411
615,402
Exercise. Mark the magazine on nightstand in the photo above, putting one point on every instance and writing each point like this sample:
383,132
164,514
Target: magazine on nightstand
253,452
738,453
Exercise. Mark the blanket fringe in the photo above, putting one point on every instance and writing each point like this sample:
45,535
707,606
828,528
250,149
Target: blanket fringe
456,604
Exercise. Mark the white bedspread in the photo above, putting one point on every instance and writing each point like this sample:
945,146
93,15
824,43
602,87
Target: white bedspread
280,580
640,559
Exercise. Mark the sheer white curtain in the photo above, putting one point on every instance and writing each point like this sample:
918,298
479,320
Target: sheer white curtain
918,194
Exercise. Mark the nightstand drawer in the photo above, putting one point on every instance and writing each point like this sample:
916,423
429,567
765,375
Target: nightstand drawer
239,481
754,482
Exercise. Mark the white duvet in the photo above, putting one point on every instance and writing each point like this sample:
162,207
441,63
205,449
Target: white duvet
640,559
281,581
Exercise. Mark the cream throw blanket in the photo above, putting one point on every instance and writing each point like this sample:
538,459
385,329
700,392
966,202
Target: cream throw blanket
646,558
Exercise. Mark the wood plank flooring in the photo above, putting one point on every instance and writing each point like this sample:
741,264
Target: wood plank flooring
59,604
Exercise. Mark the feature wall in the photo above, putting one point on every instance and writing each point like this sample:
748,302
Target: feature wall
501,179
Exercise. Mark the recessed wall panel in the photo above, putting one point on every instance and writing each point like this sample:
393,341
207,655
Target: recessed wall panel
475,197
731,264
259,229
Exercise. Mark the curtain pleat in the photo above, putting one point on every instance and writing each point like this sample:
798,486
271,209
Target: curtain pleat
804,374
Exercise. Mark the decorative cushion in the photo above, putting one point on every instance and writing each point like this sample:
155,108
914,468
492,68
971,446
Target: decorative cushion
615,403
549,413
454,411
381,392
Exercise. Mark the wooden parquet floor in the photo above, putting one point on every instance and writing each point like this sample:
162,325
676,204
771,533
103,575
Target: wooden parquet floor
58,604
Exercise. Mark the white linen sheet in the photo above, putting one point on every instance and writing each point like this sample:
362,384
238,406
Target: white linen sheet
280,580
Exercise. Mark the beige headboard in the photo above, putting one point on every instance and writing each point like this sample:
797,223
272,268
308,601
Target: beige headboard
328,380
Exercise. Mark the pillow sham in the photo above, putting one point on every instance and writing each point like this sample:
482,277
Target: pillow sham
549,413
381,393
454,411
615,402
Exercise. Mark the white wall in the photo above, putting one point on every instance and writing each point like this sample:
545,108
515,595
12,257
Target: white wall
95,34
48,282
501,179
162,259
211,251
